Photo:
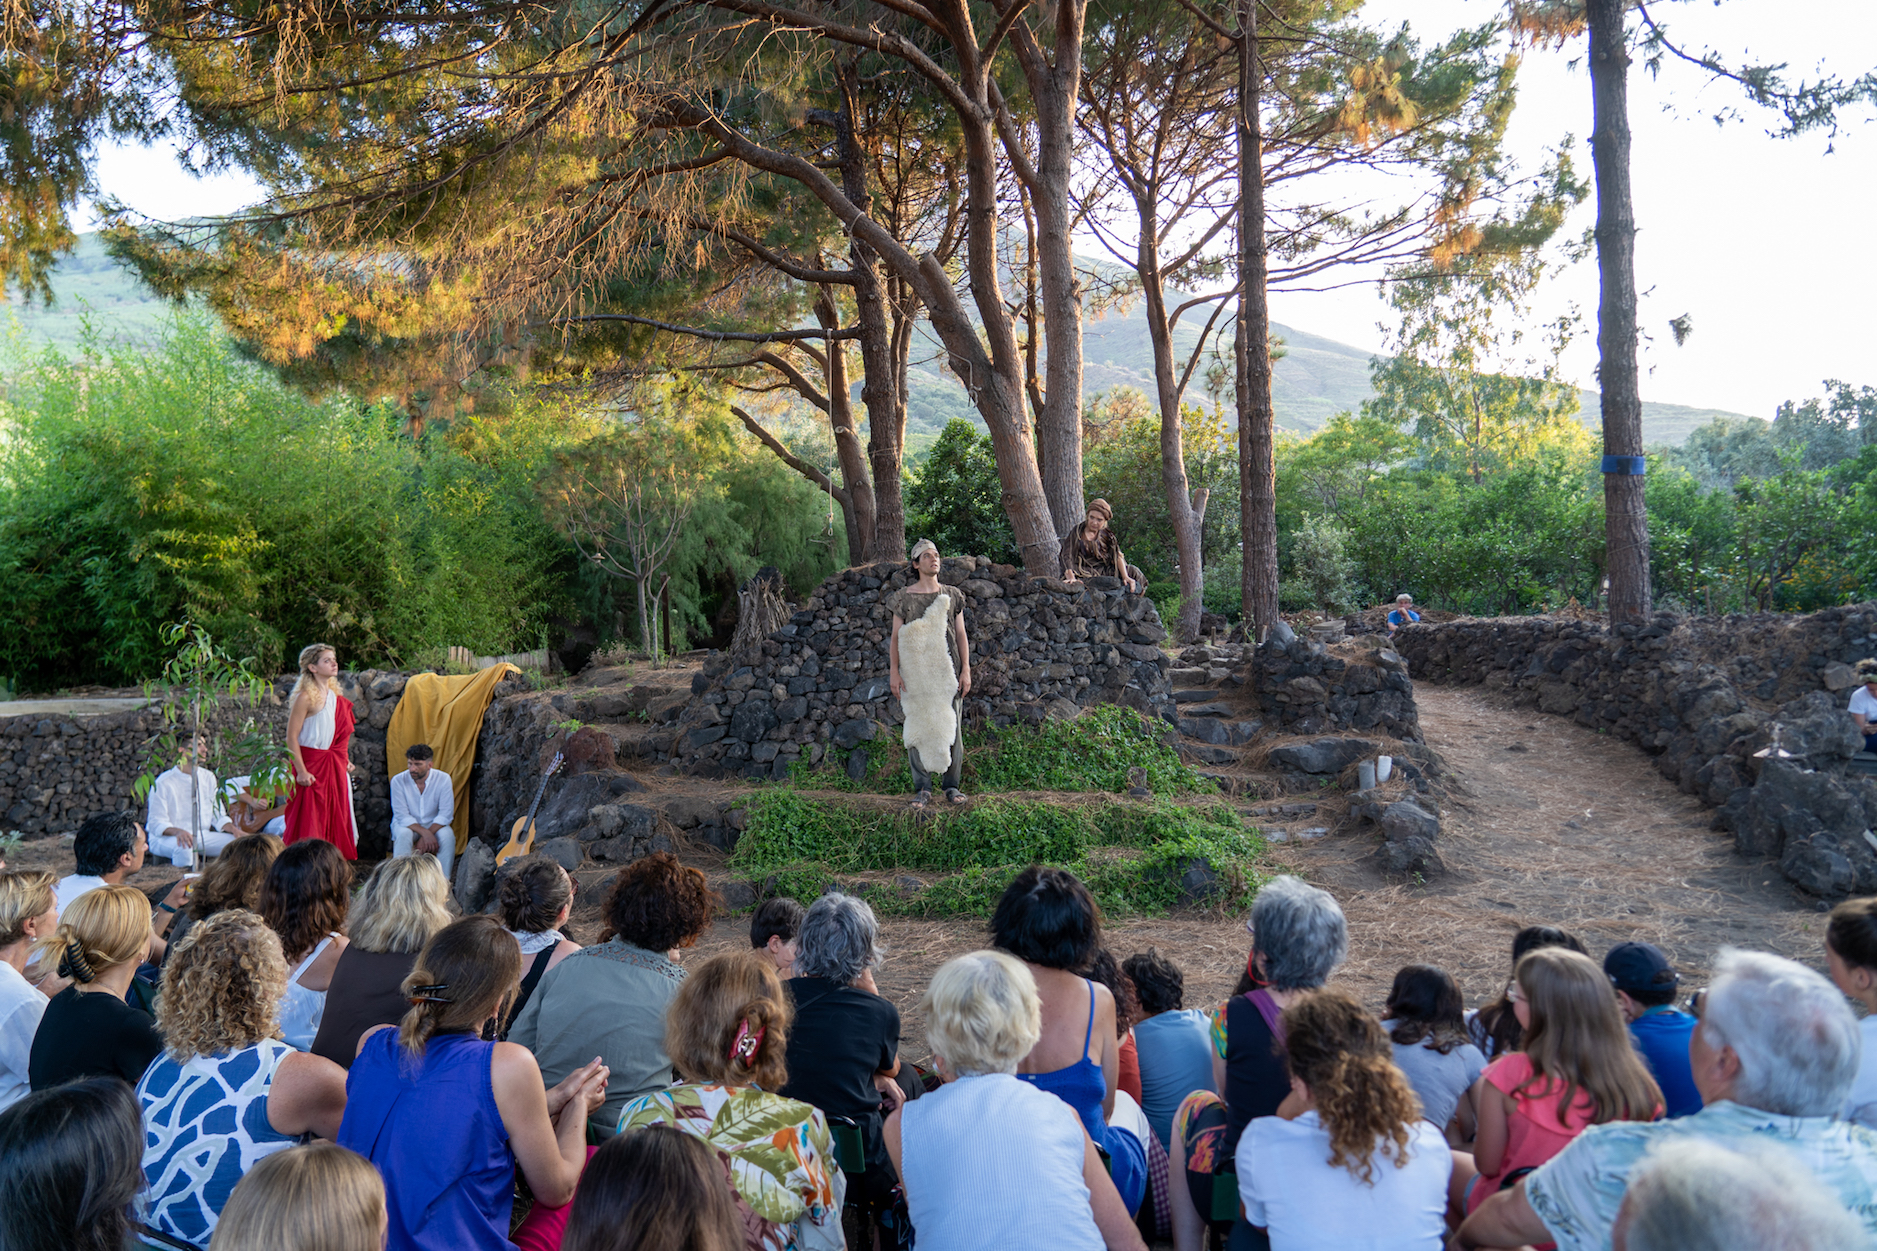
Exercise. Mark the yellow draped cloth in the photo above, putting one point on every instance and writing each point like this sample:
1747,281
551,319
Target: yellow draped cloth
446,713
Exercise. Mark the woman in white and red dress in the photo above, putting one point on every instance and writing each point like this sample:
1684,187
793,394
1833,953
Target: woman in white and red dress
319,732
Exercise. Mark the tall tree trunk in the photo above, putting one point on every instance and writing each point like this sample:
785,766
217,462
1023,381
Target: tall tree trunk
1184,508
1257,474
862,513
1625,519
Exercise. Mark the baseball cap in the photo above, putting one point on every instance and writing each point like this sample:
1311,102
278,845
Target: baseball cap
1638,966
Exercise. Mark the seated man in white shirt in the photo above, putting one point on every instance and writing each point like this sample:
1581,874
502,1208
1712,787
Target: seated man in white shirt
423,801
191,784
108,848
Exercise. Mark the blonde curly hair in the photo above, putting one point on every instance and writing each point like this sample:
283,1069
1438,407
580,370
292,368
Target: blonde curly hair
222,987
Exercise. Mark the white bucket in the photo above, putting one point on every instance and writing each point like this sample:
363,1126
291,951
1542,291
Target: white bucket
1384,766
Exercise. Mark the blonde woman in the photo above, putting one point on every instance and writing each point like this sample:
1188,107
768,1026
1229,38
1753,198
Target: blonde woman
319,734
401,907
319,1197
226,1092
29,911
89,1030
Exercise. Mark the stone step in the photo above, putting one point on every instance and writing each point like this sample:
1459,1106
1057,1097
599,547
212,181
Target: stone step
1206,753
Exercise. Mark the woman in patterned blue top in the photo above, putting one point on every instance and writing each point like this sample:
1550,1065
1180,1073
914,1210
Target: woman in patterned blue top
226,1092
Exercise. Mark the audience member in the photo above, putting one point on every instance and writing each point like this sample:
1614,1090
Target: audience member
89,1029
843,1051
1426,1024
1645,991
1851,957
1773,1057
1694,1195
534,900
1104,968
1047,919
989,1160
316,1197
1577,1068
185,813
609,1000
305,897
226,1091
108,848
654,1189
1174,1042
1348,1161
28,913
727,1034
251,813
1495,1028
1403,613
423,803
232,880
1298,938
404,903
773,930
448,1117
69,1168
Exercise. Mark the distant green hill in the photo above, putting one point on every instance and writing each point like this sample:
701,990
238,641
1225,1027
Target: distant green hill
1314,379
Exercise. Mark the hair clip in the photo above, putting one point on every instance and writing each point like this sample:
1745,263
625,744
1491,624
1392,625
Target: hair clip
74,965
747,1043
431,994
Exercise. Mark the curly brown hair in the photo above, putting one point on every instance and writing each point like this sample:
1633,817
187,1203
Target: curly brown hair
306,894
736,988
1340,1052
234,878
656,904
222,987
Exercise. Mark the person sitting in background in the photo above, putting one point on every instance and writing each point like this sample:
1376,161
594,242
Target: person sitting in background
534,900
1577,1068
89,1029
1299,936
843,1051
423,803
772,930
404,903
316,1197
654,1189
1693,1195
305,897
1174,1042
1426,1024
28,912
1348,1161
1645,991
1851,958
727,1034
1402,613
69,1168
1864,702
1774,1055
226,1091
109,847
610,999
448,1118
1090,550
990,1161
1104,968
188,788
1495,1029
251,813
232,880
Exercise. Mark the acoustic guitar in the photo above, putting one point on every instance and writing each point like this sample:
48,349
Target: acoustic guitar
521,835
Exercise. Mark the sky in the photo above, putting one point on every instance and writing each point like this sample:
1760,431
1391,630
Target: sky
1767,245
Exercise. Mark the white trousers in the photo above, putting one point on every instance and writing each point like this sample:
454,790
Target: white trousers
403,839
211,842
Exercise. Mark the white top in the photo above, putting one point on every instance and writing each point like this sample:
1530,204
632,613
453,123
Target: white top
70,888
170,798
317,729
995,1162
21,1006
300,1008
1863,701
234,786
435,804
1289,1187
1860,1105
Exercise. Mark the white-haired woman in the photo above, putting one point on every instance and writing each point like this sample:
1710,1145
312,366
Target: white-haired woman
929,670
844,1045
988,1160
319,738
403,905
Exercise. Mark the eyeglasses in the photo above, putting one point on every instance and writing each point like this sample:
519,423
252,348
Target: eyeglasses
1514,994
1697,1002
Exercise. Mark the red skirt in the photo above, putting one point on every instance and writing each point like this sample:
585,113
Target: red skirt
324,809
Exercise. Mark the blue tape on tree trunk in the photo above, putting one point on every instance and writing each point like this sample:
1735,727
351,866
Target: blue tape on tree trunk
1625,464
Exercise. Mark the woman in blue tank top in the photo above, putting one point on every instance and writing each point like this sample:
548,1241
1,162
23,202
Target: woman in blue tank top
1048,920
447,1117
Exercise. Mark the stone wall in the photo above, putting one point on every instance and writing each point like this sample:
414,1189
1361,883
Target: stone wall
1304,686
1706,697
1038,645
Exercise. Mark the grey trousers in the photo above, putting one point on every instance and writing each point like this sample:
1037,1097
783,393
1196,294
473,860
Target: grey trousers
922,780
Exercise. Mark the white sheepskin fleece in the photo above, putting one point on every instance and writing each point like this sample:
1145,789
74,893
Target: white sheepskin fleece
925,666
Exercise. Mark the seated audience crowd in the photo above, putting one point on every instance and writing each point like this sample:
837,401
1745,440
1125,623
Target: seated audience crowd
303,1067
